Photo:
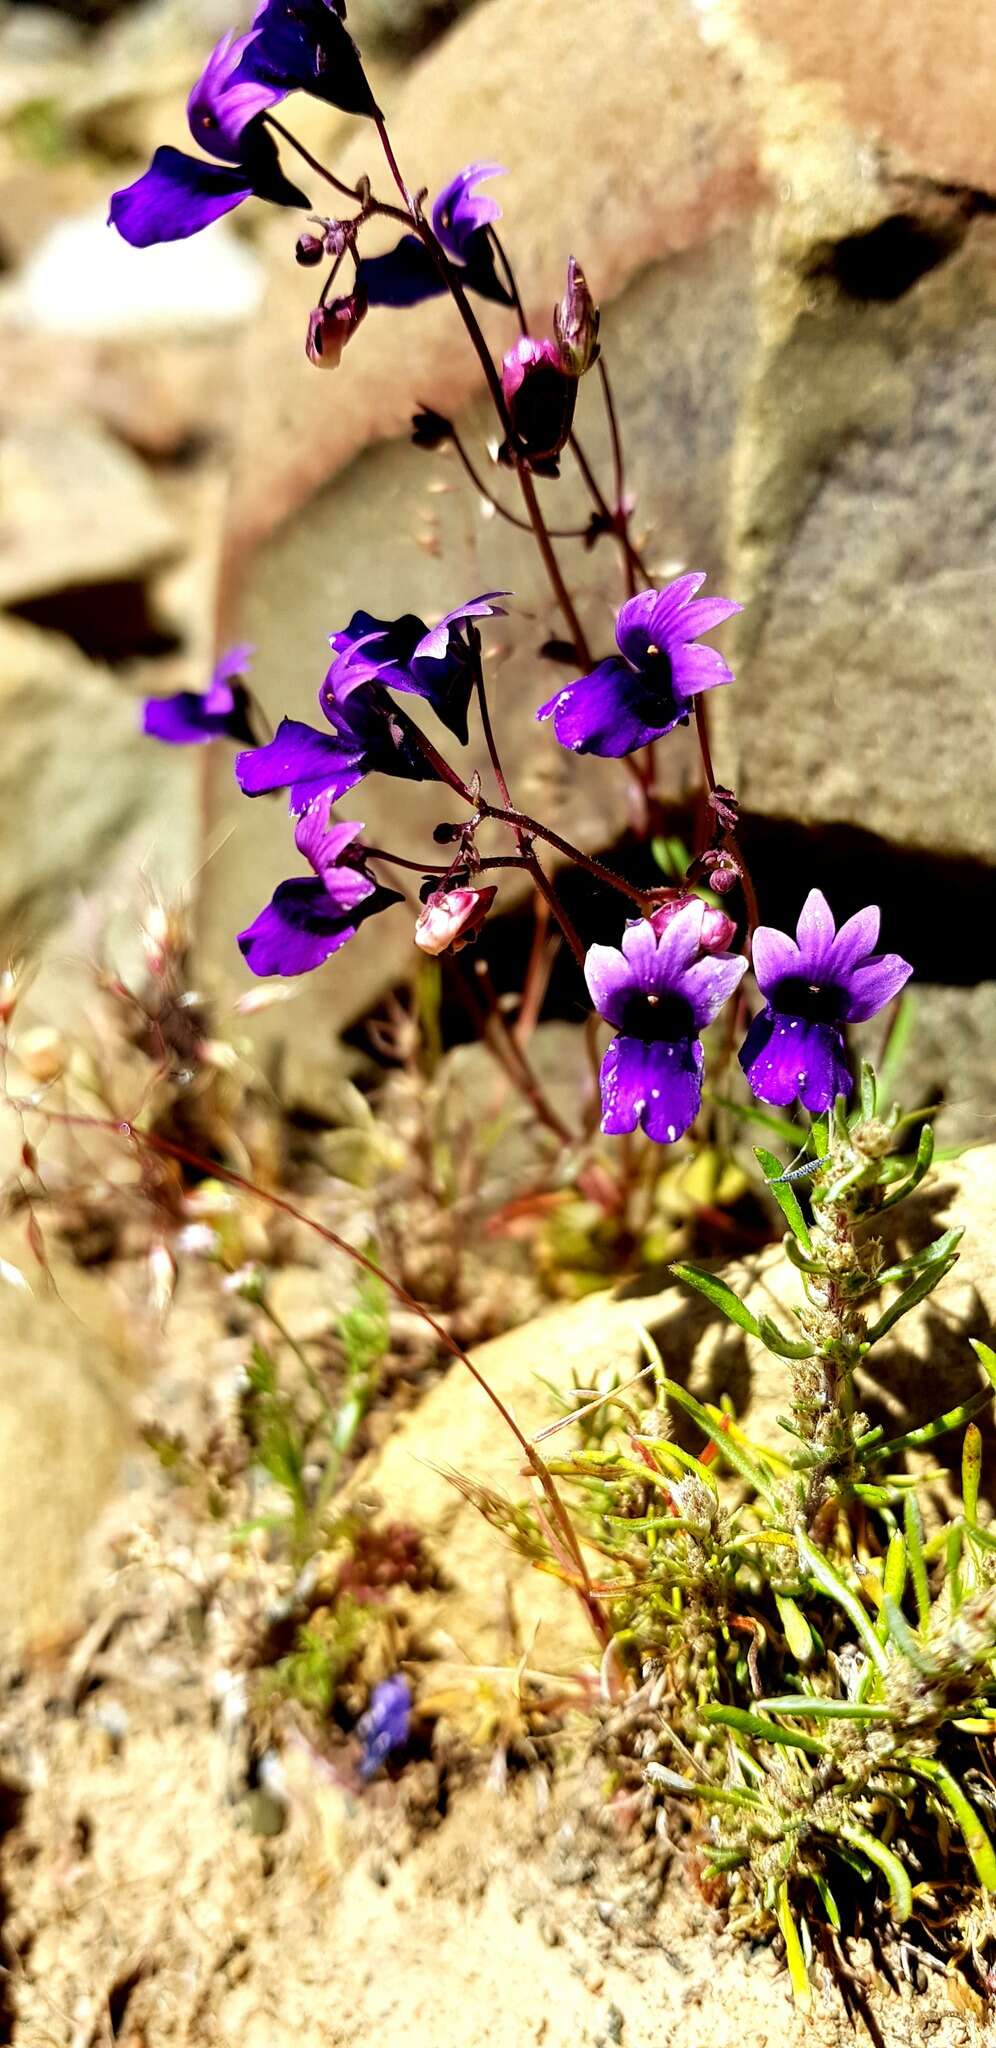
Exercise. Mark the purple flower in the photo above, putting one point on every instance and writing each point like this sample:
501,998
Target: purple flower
815,984
305,46
369,734
644,691
307,920
460,220
385,1725
404,654
221,712
179,194
660,991
540,394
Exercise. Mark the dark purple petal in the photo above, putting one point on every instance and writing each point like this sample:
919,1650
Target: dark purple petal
177,196
385,1725
190,718
873,984
368,724
657,1086
405,276
667,622
633,635
304,46
694,669
787,1057
302,760
610,712
301,927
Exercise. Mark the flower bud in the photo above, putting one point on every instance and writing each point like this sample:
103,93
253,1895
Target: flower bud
718,930
330,327
309,250
451,918
575,323
540,395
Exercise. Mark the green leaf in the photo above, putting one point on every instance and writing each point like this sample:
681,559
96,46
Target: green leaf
986,1358
798,1634
971,1470
917,1291
908,1645
924,1155
797,1258
761,1730
897,1046
830,1582
868,1092
782,1347
934,1255
691,1788
721,1296
795,1961
820,1709
893,1579
790,1134
785,1196
913,1527
900,1889
926,1432
829,1903
976,1839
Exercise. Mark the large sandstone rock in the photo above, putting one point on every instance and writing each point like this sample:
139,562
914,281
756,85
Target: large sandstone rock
457,1429
77,509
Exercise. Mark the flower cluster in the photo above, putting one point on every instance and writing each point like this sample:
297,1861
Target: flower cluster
679,961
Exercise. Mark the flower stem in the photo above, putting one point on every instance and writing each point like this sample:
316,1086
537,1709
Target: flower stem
520,827
522,525
348,191
535,830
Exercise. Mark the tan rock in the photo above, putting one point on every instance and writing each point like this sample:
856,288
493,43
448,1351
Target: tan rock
458,1429
75,508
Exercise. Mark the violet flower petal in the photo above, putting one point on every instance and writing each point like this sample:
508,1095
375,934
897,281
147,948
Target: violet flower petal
609,712
302,760
788,1057
874,984
177,196
305,46
658,1086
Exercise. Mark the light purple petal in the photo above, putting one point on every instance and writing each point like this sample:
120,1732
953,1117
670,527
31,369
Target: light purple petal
640,945
695,669
872,986
680,943
633,634
815,932
703,613
434,646
176,197
855,941
667,621
459,212
323,845
232,666
610,980
218,108
786,1057
709,982
657,1086
774,956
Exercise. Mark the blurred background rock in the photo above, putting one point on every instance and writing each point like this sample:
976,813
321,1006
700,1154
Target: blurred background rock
786,209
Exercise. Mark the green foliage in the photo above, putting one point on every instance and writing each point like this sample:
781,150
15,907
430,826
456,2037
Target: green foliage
324,1649
830,1665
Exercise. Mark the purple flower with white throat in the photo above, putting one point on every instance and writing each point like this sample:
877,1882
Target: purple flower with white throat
369,734
461,216
814,984
179,194
305,46
645,690
659,992
221,712
310,917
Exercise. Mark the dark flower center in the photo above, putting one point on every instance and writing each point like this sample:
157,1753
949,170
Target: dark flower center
658,1018
817,1002
658,669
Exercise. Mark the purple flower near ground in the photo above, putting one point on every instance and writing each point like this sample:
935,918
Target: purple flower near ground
221,712
179,194
385,1725
645,690
310,918
433,662
407,275
305,46
660,991
814,984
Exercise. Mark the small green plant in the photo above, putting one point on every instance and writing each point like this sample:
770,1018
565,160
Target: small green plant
824,1657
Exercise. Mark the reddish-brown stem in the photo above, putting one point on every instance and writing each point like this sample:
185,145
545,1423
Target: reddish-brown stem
563,596
169,1148
705,751
532,826
522,525
509,275
347,191
514,1058
523,837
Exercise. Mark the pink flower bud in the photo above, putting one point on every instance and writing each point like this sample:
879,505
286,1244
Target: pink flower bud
451,918
718,930
575,323
540,395
330,327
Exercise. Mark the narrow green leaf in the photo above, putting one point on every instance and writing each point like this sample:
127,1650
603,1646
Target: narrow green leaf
830,1582
952,1565
761,1730
797,1258
819,1136
893,1579
785,1195
971,1470
900,1889
691,1788
798,1634
779,1126
976,1839
906,1642
924,1155
913,1527
928,1432
934,1255
897,1046
782,1347
795,1961
721,1296
917,1291
829,1903
820,1709
868,1092
986,1358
